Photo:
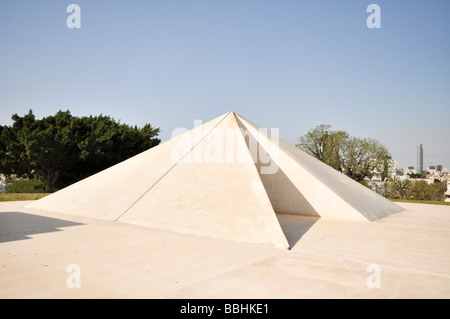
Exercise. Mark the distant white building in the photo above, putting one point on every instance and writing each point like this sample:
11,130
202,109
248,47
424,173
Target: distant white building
447,194
434,169
410,170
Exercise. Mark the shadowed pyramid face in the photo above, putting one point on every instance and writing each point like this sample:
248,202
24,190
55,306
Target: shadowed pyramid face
224,179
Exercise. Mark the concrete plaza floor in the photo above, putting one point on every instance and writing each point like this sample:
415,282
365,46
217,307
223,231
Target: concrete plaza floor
405,255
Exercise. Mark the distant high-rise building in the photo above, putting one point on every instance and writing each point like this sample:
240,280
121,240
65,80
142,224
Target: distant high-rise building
419,158
439,168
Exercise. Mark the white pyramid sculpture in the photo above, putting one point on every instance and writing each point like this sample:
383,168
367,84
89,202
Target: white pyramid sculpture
226,179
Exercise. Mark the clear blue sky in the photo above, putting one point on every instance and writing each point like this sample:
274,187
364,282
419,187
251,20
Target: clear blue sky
282,64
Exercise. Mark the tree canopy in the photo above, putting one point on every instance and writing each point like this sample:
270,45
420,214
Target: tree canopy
356,157
324,144
62,149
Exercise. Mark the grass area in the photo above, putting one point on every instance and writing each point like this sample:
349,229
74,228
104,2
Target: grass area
7,197
432,202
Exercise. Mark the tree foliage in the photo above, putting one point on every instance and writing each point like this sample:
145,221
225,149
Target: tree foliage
401,187
414,190
356,157
324,144
421,190
62,149
26,185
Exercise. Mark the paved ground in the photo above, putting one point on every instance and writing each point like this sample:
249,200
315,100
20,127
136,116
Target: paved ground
408,255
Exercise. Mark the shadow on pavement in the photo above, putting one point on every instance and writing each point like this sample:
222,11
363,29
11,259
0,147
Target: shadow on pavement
19,226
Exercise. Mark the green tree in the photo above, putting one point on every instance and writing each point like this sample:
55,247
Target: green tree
420,190
324,144
12,151
358,158
51,147
439,189
362,157
63,149
106,142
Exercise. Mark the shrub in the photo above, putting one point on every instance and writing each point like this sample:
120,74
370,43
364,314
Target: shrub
414,190
28,185
421,190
